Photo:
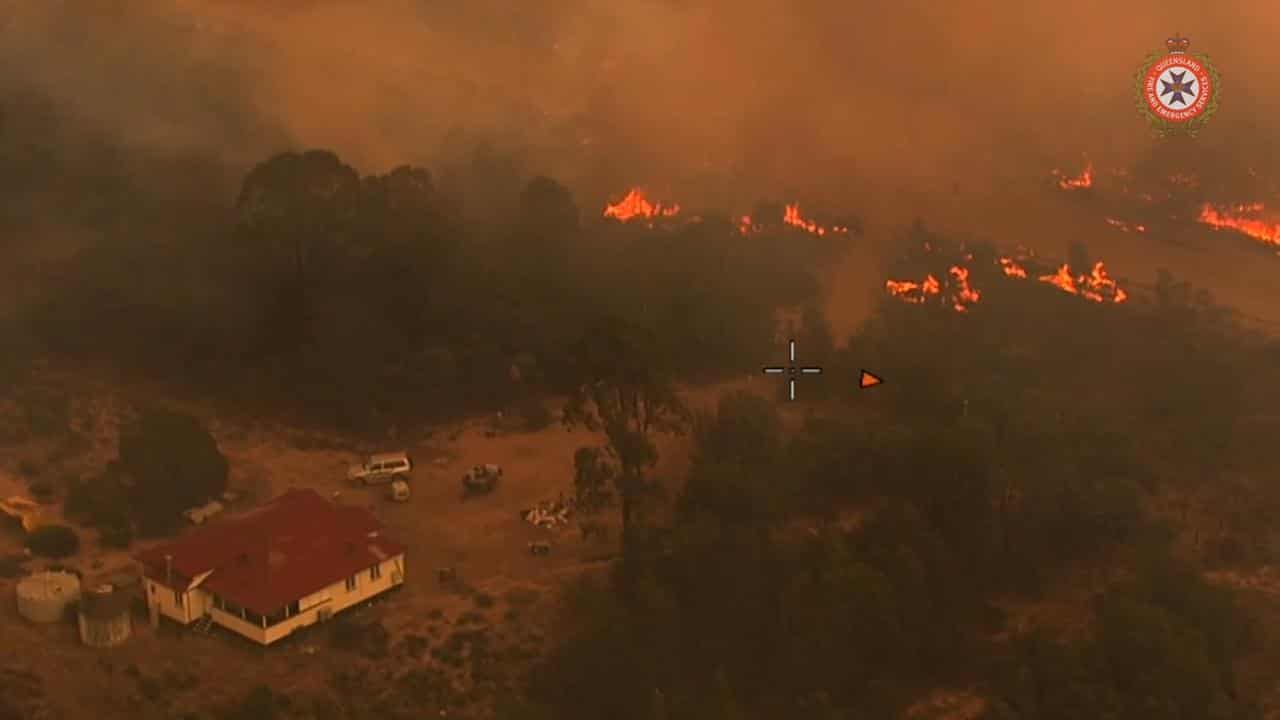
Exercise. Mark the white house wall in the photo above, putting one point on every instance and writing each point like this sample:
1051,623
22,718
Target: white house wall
158,595
199,602
391,574
238,625
331,600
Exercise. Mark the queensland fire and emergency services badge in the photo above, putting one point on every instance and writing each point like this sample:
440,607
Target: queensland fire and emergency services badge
1177,90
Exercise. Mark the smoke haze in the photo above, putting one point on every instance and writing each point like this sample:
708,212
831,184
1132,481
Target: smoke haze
879,107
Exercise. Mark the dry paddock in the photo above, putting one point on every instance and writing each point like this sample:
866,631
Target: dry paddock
168,673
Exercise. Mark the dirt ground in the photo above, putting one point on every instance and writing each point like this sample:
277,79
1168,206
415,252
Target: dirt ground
501,587
504,591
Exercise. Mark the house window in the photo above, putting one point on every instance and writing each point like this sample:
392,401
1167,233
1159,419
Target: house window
375,572
351,583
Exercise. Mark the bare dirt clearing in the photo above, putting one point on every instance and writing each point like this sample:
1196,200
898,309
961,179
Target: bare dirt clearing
504,594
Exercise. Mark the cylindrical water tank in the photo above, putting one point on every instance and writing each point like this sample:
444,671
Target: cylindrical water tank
44,597
104,617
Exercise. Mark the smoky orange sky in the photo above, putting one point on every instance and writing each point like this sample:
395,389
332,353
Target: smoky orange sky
774,91
707,100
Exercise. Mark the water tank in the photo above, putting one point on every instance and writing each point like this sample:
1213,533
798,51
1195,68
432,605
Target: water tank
44,597
104,616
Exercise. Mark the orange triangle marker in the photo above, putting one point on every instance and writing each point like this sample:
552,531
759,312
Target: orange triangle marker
868,380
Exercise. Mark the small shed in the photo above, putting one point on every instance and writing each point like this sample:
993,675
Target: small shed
44,597
104,616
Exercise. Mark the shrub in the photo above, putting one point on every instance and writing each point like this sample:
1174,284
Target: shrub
116,535
41,489
55,541
174,463
521,597
11,566
260,703
46,413
368,639
100,502
533,413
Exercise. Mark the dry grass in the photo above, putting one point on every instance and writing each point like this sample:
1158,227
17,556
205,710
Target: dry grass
947,705
483,538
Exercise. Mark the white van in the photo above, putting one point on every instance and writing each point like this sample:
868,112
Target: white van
381,468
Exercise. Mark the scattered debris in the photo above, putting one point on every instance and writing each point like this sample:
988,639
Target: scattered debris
549,515
198,515
23,510
399,491
540,547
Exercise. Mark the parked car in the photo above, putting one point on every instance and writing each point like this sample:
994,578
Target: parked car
481,479
381,468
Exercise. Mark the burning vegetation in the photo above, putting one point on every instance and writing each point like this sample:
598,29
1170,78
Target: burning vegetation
635,205
791,216
1097,285
1082,181
1182,197
957,292
1244,219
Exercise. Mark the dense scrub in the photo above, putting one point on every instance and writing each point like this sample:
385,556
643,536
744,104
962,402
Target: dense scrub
1018,442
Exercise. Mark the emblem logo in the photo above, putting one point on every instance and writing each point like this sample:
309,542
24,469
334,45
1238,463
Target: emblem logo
1177,90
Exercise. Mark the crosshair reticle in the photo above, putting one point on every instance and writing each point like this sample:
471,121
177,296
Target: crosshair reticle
792,371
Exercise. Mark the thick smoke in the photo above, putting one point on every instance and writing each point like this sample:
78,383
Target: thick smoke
761,91
882,107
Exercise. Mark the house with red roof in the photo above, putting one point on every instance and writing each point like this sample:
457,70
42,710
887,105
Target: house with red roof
295,561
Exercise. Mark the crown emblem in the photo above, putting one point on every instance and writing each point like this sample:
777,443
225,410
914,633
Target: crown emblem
1178,44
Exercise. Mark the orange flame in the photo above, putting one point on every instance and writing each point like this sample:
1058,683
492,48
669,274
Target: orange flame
960,297
965,295
636,205
1095,286
914,292
1012,269
1078,182
791,216
1237,218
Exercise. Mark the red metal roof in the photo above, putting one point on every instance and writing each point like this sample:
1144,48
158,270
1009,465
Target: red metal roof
262,560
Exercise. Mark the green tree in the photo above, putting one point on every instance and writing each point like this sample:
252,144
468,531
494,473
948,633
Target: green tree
844,625
294,212
623,392
55,541
1159,665
745,428
294,204
172,463
548,213
592,476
